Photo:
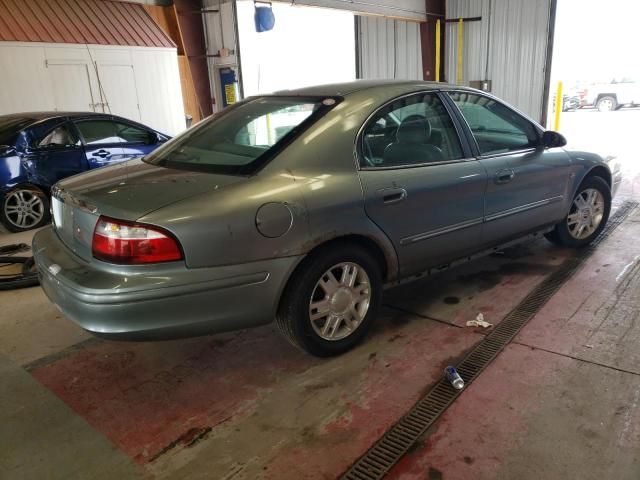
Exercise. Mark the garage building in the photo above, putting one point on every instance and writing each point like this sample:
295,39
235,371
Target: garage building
435,201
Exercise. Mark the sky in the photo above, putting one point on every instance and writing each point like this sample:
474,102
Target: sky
596,40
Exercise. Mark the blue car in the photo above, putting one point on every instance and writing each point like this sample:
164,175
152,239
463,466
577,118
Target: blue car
38,149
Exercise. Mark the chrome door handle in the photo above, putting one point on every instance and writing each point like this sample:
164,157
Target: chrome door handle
505,176
393,195
101,153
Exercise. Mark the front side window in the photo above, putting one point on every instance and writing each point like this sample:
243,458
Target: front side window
127,133
96,132
60,136
240,139
496,128
413,130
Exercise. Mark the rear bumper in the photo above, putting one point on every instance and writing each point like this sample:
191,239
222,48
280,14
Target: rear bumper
159,301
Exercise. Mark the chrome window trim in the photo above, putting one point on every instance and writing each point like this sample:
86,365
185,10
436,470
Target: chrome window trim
509,153
418,165
357,150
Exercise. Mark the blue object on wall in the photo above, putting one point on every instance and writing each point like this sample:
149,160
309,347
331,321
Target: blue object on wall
264,18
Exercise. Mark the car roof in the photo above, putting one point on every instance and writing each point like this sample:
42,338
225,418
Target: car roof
38,117
346,88
51,114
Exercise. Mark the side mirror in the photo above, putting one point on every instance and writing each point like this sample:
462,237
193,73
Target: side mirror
6,150
551,139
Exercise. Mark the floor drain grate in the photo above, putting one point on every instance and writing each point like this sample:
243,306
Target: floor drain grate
380,458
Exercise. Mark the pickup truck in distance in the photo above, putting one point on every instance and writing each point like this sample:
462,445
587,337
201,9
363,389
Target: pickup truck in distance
612,96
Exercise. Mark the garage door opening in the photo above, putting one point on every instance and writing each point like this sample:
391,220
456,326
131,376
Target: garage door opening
594,57
290,56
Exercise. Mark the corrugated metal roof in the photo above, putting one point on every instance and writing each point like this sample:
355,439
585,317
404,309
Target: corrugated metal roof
97,22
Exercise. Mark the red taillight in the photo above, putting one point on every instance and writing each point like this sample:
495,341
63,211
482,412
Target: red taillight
117,241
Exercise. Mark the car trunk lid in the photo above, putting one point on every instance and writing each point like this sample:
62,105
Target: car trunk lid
126,191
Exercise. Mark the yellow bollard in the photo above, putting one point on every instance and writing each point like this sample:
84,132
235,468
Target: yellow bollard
460,51
438,50
556,125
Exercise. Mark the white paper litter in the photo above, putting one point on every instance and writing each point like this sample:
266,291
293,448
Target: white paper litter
479,322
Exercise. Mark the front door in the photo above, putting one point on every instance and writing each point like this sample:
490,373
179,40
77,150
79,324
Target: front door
528,186
420,188
102,145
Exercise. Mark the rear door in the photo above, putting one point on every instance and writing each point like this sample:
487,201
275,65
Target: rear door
528,185
102,146
54,153
420,186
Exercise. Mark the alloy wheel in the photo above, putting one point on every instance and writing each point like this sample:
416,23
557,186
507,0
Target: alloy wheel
605,105
586,213
340,301
24,208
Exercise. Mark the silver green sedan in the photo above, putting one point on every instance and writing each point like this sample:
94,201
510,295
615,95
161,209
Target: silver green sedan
302,206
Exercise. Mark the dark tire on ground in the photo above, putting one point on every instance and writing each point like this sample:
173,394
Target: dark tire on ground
561,234
607,103
294,316
29,192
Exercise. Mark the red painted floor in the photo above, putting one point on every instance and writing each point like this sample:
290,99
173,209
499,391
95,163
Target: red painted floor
247,405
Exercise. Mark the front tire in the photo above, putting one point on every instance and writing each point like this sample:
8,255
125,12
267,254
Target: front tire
587,216
24,208
331,300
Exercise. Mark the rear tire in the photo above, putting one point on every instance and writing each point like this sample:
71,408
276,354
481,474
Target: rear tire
607,103
23,208
325,311
587,215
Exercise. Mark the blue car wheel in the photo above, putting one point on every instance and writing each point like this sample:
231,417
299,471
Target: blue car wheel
24,208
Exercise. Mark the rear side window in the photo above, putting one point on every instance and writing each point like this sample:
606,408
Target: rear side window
96,132
412,130
60,136
496,128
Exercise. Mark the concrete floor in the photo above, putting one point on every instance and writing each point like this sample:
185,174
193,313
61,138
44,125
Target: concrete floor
560,402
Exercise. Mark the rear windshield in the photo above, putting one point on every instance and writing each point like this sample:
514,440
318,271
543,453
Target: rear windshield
10,128
244,137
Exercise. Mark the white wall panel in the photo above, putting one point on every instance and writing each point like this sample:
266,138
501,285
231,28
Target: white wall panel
159,90
508,47
63,77
389,48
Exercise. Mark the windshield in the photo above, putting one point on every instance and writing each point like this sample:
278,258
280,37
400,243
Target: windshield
10,128
243,138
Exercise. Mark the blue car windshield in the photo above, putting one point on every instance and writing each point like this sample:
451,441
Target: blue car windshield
10,127
239,140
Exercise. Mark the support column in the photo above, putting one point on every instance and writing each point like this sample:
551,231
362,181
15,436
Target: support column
435,10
